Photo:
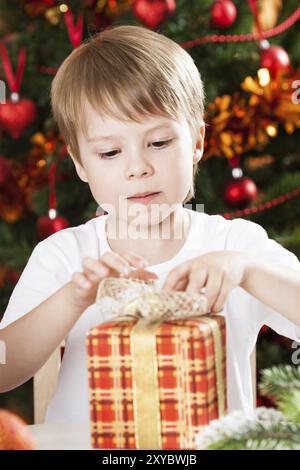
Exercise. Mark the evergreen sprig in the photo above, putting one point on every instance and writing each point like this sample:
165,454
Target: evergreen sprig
267,429
263,436
277,380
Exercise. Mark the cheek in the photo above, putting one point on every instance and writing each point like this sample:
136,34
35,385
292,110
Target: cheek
180,170
101,186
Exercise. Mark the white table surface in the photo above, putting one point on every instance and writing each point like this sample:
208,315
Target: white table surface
61,436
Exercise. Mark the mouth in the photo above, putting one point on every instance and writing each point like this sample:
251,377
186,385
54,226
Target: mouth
144,198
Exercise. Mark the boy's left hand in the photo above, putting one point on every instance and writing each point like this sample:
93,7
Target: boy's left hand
217,271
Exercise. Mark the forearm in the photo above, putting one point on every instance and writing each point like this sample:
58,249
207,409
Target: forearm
30,340
276,286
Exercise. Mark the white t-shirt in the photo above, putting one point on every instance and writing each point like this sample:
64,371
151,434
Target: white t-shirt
54,260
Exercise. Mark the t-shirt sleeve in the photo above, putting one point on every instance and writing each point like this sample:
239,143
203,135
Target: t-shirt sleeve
252,238
46,271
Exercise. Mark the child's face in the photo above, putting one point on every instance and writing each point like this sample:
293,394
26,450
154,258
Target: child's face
132,161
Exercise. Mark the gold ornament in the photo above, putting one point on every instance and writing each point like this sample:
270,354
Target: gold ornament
53,15
11,214
269,11
248,119
256,163
115,9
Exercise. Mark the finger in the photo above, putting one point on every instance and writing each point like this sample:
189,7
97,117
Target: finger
213,287
226,286
135,260
182,284
110,264
94,269
116,262
197,281
81,281
175,275
142,274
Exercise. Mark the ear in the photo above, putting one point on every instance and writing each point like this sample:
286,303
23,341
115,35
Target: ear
198,151
79,168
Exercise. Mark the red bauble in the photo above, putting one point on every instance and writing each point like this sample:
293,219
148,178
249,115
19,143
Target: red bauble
239,192
46,226
16,116
14,433
276,59
153,12
4,169
223,13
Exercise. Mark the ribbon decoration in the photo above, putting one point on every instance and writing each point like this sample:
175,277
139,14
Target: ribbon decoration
145,385
234,162
51,179
14,81
75,32
129,299
254,7
218,353
137,298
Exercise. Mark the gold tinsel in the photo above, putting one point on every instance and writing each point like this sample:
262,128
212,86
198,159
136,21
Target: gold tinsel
248,119
256,163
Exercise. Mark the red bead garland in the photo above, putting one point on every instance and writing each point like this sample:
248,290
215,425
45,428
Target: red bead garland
249,37
280,28
264,206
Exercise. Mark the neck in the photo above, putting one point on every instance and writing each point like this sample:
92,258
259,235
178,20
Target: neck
156,243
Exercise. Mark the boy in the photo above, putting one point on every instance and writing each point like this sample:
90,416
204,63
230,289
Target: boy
129,103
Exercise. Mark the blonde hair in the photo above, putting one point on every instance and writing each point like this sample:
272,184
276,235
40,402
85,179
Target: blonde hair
127,72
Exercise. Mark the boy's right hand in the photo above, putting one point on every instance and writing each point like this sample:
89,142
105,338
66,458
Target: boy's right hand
111,264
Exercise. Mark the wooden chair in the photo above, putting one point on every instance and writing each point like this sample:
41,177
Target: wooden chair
45,383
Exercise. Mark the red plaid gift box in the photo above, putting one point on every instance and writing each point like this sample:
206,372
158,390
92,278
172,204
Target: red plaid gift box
155,385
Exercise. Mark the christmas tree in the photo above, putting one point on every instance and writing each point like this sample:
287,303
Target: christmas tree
248,55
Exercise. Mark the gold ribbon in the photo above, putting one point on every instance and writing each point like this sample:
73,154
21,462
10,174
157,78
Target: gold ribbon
218,361
145,385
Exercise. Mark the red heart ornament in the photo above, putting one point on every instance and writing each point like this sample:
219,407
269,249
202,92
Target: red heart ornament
15,117
153,12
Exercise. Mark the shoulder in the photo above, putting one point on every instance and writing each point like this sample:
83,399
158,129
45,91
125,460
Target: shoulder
245,232
229,231
66,248
241,235
74,239
245,235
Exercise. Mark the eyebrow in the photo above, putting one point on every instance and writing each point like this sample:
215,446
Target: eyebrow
108,137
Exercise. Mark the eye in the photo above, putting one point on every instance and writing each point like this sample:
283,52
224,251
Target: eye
107,155
110,155
162,143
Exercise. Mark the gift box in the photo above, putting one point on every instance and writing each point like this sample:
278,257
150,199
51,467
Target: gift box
155,380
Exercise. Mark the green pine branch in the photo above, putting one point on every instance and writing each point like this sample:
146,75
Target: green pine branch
263,436
277,380
283,383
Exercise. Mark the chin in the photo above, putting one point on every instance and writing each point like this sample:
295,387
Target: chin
148,217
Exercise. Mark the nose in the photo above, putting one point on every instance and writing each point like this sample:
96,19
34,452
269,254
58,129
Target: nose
138,168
